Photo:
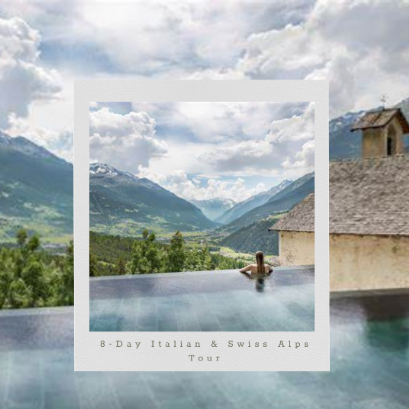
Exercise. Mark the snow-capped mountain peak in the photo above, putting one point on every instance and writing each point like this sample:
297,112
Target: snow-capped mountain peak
104,169
283,184
24,145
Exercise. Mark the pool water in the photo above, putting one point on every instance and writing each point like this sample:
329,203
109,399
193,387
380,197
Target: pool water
204,301
369,368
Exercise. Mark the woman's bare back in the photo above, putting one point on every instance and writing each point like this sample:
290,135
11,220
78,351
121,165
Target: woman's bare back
253,269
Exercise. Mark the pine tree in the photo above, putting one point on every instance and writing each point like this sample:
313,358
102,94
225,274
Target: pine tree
67,288
146,256
177,253
21,237
205,258
93,264
120,267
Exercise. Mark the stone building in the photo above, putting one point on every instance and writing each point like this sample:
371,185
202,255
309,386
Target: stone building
369,212
382,133
296,234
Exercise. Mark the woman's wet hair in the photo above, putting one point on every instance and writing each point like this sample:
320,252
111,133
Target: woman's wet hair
260,262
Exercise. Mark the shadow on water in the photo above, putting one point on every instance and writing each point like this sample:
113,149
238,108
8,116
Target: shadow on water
383,315
386,325
390,336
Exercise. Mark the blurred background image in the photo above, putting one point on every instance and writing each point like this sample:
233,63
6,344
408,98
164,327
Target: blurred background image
361,47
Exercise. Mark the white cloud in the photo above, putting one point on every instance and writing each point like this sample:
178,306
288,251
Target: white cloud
239,139
179,183
339,71
178,38
58,142
217,74
359,45
289,144
303,160
211,122
27,86
350,42
22,79
296,128
124,141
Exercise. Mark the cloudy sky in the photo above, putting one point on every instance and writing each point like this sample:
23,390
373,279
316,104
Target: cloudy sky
206,150
359,45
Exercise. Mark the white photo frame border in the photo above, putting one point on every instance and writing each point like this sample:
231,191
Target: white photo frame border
88,353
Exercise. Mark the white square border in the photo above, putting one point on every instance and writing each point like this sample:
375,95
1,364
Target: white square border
88,354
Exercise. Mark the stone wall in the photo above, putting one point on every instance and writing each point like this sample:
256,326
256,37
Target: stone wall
296,248
374,140
368,262
373,143
356,262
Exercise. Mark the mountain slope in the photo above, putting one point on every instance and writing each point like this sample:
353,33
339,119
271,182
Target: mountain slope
281,202
254,237
124,204
251,203
342,142
36,190
213,208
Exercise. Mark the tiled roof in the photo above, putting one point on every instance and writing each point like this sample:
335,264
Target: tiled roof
370,196
366,197
300,218
381,118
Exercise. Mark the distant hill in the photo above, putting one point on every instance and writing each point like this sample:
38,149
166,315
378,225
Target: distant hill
213,208
36,190
254,201
279,203
122,203
254,237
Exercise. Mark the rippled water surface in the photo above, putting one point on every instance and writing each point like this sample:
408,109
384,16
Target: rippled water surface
205,301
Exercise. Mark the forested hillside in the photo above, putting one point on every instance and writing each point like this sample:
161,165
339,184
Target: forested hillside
36,191
254,237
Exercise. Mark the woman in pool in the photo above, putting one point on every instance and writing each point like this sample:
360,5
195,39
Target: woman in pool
257,270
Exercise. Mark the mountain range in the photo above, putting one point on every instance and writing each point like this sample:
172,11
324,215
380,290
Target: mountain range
279,203
254,237
36,190
214,208
122,203
252,202
249,233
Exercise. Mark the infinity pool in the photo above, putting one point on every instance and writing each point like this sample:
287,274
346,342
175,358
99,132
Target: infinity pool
204,301
369,368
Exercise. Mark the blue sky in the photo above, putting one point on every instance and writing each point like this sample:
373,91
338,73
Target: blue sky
206,150
360,46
